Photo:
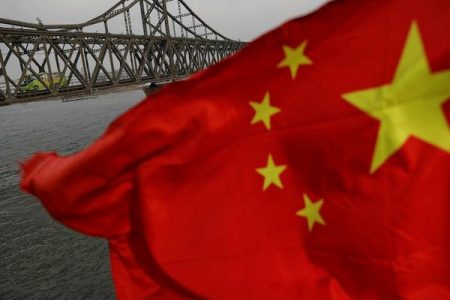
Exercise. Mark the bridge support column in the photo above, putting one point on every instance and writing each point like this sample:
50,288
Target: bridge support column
8,97
86,72
169,43
144,23
111,62
53,90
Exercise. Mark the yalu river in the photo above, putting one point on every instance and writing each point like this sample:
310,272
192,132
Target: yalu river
39,258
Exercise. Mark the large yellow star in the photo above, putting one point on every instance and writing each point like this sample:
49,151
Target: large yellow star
294,58
271,174
409,106
311,212
264,111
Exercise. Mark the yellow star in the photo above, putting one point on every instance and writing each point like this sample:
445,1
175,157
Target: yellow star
294,58
311,212
410,106
271,174
264,111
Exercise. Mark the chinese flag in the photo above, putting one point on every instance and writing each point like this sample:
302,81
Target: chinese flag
315,164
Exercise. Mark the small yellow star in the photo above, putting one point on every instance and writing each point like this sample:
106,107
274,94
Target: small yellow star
311,212
271,174
264,111
411,105
294,58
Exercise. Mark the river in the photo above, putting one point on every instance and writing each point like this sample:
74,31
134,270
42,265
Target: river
39,258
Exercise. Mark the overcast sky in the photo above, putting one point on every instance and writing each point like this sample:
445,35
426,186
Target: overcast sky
238,19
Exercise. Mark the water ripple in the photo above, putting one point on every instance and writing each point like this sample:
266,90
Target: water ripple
39,258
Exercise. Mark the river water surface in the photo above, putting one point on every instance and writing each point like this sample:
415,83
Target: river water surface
39,258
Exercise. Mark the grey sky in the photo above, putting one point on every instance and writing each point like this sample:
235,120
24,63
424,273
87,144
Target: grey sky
236,19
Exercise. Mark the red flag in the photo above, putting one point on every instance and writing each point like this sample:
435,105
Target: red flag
313,165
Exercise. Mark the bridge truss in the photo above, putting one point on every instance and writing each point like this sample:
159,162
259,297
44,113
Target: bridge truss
169,43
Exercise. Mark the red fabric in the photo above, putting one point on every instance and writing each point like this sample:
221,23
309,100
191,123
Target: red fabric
173,186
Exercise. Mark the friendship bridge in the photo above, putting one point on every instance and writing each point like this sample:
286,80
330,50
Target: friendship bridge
133,42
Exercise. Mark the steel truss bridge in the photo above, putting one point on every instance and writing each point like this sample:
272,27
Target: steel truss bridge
135,41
